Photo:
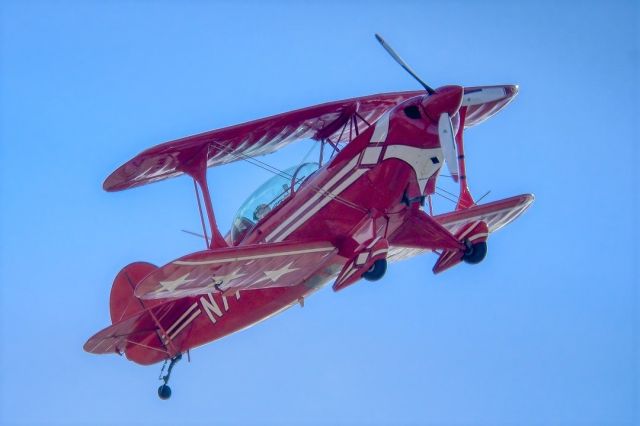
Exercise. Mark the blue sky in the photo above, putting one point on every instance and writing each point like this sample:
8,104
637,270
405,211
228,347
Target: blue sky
544,331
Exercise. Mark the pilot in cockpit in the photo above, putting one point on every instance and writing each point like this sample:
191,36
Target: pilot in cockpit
261,211
267,197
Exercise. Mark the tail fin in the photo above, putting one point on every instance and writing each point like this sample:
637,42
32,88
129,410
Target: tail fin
123,303
134,331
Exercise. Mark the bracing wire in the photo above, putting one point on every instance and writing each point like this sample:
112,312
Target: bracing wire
445,191
446,198
272,169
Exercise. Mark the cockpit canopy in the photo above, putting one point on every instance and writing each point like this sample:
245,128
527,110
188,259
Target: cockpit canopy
267,197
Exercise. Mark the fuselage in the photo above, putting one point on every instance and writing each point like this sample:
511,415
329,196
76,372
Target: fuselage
374,179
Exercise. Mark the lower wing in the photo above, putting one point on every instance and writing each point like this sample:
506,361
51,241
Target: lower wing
233,269
495,215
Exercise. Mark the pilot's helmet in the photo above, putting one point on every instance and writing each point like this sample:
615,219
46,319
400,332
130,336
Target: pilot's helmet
261,211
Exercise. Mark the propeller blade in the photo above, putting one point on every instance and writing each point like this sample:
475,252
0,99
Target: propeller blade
403,64
481,96
448,144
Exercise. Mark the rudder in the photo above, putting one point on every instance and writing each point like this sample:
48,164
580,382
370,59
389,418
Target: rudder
134,332
122,302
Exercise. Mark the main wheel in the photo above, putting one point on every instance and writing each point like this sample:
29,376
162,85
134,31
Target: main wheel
164,392
475,253
376,271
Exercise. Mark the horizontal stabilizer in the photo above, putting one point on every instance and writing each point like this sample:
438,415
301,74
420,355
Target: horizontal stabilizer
140,336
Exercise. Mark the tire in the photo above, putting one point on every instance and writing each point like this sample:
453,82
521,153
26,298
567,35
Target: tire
164,392
376,271
475,253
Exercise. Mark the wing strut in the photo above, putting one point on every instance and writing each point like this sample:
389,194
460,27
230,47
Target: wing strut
197,169
465,200
204,228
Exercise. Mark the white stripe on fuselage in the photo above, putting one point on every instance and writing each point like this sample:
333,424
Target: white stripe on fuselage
186,323
421,160
294,221
327,198
321,192
179,320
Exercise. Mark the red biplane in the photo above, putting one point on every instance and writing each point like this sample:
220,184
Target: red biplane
342,218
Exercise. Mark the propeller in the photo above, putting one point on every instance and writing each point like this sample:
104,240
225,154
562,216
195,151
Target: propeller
445,127
403,64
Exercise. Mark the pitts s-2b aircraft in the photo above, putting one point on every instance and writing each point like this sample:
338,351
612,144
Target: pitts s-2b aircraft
342,218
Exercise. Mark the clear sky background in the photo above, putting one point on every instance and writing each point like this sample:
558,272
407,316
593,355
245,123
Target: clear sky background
544,331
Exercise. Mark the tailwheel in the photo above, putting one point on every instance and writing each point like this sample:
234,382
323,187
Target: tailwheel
164,391
376,271
474,253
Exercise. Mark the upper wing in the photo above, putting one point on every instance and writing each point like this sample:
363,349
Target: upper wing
483,102
237,268
266,135
252,139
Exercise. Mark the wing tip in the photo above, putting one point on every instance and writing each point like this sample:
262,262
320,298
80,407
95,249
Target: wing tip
108,185
116,182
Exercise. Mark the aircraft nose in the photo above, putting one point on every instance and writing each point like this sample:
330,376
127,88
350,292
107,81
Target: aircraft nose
446,99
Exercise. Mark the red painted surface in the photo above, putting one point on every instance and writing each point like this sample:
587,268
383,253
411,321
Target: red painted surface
360,207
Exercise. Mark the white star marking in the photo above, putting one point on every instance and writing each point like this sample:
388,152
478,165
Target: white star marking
172,285
276,274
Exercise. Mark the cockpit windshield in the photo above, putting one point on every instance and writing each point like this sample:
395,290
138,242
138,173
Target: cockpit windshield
267,197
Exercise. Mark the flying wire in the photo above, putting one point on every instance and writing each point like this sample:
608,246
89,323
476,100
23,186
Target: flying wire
445,191
272,169
446,198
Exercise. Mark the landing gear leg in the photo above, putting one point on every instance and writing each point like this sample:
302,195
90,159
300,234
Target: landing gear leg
164,391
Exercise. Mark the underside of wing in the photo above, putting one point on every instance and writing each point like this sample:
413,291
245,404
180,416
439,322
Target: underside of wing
483,102
330,120
238,268
496,214
253,139
414,237
421,231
